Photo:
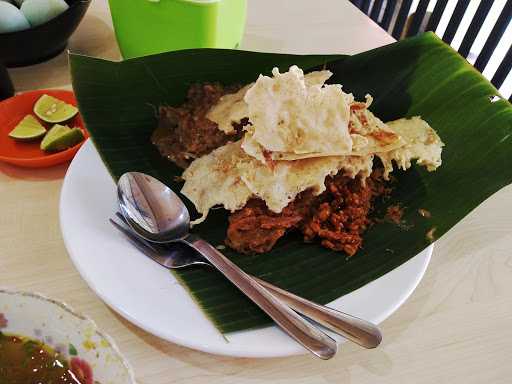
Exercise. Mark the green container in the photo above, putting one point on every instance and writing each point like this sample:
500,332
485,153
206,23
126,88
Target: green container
144,27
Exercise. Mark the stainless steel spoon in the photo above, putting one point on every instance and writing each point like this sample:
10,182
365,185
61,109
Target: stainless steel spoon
157,214
177,255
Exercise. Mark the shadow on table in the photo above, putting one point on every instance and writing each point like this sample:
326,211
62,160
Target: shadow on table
34,174
93,37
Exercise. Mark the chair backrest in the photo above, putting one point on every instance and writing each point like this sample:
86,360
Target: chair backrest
400,19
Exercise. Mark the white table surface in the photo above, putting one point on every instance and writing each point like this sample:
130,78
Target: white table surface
456,327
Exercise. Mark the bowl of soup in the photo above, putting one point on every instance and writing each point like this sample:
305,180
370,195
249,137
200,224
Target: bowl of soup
43,340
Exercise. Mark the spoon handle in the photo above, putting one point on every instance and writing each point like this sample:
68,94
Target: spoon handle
353,328
301,330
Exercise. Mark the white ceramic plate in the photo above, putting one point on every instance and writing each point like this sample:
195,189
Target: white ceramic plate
150,297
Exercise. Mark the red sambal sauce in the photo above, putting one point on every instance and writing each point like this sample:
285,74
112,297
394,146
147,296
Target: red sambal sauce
27,361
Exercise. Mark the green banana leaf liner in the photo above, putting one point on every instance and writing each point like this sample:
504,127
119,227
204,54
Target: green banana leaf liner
418,76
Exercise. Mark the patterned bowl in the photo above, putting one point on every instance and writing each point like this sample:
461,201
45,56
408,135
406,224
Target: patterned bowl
92,355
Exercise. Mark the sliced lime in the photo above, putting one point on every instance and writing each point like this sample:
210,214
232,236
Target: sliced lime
28,129
53,110
61,137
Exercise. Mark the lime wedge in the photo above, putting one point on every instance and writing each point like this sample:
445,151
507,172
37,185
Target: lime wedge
27,129
61,137
53,110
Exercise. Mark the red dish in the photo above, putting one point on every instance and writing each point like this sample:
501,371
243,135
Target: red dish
28,154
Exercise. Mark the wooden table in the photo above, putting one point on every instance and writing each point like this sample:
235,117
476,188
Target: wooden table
456,327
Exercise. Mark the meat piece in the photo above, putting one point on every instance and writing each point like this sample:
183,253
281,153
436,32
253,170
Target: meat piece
394,213
184,133
337,217
256,229
341,214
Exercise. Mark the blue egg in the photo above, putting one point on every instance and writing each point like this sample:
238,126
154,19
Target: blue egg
39,12
11,18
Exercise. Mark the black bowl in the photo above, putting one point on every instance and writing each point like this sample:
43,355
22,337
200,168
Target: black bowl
43,42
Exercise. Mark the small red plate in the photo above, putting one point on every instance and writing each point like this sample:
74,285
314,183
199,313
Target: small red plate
28,154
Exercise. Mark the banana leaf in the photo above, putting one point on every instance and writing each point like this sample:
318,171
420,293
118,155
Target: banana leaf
418,76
